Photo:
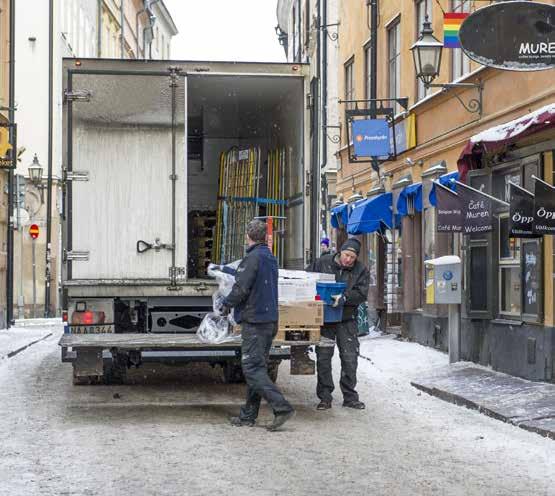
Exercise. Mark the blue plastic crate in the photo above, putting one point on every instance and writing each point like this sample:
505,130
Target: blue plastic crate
325,291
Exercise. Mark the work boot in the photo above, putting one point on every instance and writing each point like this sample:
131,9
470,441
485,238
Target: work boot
279,420
239,422
357,405
324,405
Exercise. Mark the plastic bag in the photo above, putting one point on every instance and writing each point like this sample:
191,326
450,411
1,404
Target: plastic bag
215,329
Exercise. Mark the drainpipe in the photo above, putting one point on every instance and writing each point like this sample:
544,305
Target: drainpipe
122,22
99,41
48,275
11,118
141,12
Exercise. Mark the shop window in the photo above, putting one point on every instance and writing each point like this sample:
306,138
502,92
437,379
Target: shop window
509,270
460,63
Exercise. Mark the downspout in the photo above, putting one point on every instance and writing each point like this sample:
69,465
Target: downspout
11,117
324,62
141,12
48,274
122,23
99,41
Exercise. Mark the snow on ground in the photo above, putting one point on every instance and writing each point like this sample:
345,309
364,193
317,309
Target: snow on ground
167,434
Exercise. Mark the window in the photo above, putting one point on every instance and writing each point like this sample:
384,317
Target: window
307,23
394,62
423,9
460,63
349,82
509,270
367,70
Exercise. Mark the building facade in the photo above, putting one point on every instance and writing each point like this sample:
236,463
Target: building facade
81,29
507,312
307,29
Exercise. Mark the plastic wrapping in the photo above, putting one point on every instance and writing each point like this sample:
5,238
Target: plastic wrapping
216,328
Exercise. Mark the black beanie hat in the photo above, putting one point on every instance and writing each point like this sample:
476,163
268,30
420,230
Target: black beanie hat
351,244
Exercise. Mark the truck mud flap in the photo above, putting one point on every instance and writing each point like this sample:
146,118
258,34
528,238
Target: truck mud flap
301,363
88,362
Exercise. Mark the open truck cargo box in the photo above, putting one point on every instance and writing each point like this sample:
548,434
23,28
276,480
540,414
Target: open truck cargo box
143,147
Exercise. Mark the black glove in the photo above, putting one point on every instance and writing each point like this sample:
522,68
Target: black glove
338,300
225,310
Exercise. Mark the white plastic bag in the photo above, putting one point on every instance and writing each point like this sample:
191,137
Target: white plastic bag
215,329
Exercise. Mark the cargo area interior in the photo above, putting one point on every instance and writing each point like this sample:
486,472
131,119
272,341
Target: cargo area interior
244,159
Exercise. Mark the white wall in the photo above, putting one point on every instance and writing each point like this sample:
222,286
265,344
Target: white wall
161,43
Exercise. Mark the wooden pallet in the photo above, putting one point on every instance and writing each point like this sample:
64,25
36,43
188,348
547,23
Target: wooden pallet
298,333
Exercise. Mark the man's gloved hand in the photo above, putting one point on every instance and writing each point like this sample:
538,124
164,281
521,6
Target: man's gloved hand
225,310
338,300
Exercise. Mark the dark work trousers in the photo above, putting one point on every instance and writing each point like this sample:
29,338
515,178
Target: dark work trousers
345,335
255,351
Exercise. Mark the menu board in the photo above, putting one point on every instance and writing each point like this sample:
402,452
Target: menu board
531,258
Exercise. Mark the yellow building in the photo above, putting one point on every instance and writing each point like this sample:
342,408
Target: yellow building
499,326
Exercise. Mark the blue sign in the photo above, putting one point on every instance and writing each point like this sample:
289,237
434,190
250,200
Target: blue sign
371,138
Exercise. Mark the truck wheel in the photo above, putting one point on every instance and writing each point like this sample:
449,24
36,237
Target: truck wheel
273,369
232,372
116,372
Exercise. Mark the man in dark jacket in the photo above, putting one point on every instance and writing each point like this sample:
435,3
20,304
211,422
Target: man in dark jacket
346,268
255,299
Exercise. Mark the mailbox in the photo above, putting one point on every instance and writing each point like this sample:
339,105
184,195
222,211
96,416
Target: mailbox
443,280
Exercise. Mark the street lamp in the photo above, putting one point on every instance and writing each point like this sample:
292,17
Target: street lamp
35,174
426,54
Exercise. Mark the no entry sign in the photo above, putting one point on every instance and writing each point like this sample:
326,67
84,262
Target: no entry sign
34,231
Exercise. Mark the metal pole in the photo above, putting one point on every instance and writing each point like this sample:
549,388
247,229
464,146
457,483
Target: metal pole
20,299
13,141
374,64
47,275
34,279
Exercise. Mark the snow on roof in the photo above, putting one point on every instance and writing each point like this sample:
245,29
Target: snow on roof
513,128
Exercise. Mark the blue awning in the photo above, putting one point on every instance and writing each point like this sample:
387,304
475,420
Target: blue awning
371,215
414,191
339,216
447,180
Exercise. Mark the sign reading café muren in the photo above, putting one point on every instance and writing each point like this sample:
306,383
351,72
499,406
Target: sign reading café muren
515,36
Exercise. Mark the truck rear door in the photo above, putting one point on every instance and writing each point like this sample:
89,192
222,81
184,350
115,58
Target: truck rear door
126,133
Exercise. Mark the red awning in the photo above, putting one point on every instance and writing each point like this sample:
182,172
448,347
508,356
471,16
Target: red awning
496,138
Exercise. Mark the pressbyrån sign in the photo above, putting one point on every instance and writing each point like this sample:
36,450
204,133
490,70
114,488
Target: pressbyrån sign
371,137
516,36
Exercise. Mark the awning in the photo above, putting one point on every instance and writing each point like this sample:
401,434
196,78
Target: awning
371,215
414,192
496,138
447,180
339,216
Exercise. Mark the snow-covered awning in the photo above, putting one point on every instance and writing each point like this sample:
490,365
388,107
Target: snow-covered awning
496,138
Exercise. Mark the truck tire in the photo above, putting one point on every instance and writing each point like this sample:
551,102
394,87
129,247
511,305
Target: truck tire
233,373
116,371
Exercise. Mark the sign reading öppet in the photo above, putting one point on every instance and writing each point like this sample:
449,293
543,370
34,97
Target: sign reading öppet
34,231
515,36
544,208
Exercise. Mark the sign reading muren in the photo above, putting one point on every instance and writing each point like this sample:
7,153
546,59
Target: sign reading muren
467,211
544,208
516,36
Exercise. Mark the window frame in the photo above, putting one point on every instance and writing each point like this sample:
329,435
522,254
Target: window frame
394,60
349,81
421,91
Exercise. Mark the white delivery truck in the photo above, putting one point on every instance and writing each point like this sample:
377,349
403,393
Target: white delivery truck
152,191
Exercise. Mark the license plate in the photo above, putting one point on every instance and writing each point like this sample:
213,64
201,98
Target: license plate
92,329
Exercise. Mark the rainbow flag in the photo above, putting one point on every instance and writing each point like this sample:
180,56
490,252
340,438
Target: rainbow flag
451,25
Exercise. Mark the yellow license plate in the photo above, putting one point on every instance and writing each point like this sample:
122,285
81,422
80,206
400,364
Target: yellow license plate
92,329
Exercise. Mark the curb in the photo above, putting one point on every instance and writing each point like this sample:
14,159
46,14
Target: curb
11,354
462,401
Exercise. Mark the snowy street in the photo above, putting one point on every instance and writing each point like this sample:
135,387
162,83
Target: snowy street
167,434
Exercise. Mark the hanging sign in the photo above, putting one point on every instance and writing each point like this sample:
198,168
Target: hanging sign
34,231
544,208
467,211
521,212
371,137
448,210
515,36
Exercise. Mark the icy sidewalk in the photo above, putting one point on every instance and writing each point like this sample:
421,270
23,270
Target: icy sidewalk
526,404
24,334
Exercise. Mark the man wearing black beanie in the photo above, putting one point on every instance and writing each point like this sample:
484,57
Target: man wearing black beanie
348,269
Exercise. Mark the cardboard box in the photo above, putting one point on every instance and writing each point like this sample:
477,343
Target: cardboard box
301,313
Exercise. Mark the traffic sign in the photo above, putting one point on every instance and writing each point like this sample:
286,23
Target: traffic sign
34,231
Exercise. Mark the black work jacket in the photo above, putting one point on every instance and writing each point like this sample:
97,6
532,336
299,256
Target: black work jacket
356,277
255,292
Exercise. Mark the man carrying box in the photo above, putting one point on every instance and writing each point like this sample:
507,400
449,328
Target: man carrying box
346,268
255,299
